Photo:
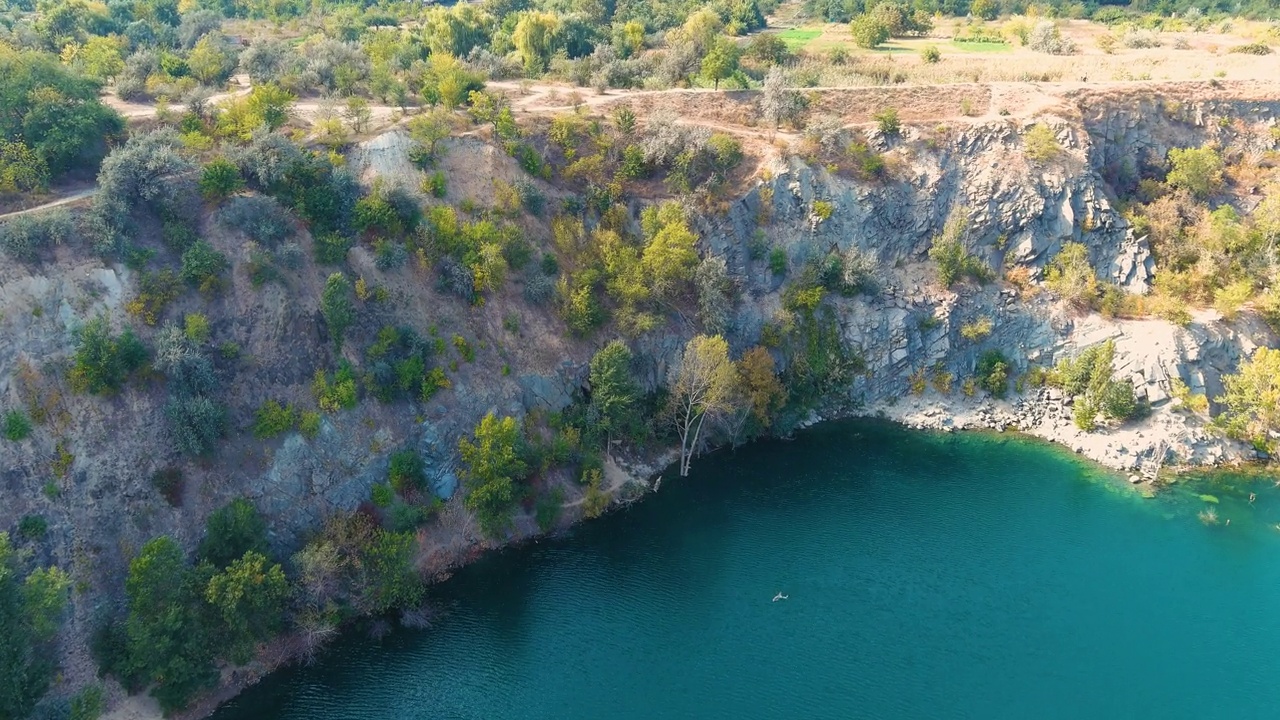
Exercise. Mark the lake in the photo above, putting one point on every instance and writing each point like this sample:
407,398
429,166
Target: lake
927,575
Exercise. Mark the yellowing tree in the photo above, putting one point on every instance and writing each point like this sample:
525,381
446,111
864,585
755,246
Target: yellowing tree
1252,397
702,387
670,257
535,39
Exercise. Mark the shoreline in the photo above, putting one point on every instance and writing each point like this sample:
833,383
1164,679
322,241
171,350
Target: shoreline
1039,414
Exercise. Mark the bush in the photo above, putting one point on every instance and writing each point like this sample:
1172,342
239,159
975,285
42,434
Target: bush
1045,37
220,178
887,122
26,237
196,328
338,392
931,54
538,289
337,308
203,266
272,419
231,531
1088,380
1072,276
33,527
436,184
778,261
1040,144
16,426
168,482
1196,170
976,330
1255,48
196,423
492,466
389,255
309,424
260,218
331,248
406,472
993,373
955,263
868,31
103,361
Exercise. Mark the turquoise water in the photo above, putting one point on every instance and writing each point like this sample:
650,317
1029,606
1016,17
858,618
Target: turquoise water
929,576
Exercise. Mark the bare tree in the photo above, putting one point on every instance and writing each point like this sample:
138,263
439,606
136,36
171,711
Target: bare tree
702,387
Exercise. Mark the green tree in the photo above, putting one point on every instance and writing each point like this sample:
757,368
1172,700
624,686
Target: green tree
165,631
220,178
231,531
721,61
614,394
104,361
53,111
30,611
249,596
670,258
210,62
388,577
337,308
491,467
21,169
1196,170
868,31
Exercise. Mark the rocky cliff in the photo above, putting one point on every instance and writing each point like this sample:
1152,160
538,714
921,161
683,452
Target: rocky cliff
89,469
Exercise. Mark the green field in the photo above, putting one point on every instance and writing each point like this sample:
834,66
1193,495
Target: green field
796,38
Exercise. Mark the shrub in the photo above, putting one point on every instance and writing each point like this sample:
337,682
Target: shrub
260,218
1196,170
309,424
822,209
1228,300
1140,39
196,328
203,266
955,263
16,426
103,361
595,501
993,373
538,289
1072,276
1250,396
272,419
231,531
868,31
338,392
492,465
778,261
25,237
976,330
1040,144
155,291
1254,48
436,184
220,178
33,527
168,482
196,423
1088,379
887,122
388,255
1045,37
930,54
406,473
331,248
337,308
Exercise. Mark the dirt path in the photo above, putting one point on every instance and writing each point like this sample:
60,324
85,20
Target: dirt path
64,200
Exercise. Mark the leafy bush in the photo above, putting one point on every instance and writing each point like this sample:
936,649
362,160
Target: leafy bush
1040,144
1045,37
31,606
220,178
338,392
16,426
931,54
1252,411
197,423
103,361
406,473
231,531
309,424
778,261
337,308
331,248
993,373
1254,48
388,255
260,218
976,330
203,266
1072,276
26,237
887,122
272,419
955,263
1196,170
33,527
1088,379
